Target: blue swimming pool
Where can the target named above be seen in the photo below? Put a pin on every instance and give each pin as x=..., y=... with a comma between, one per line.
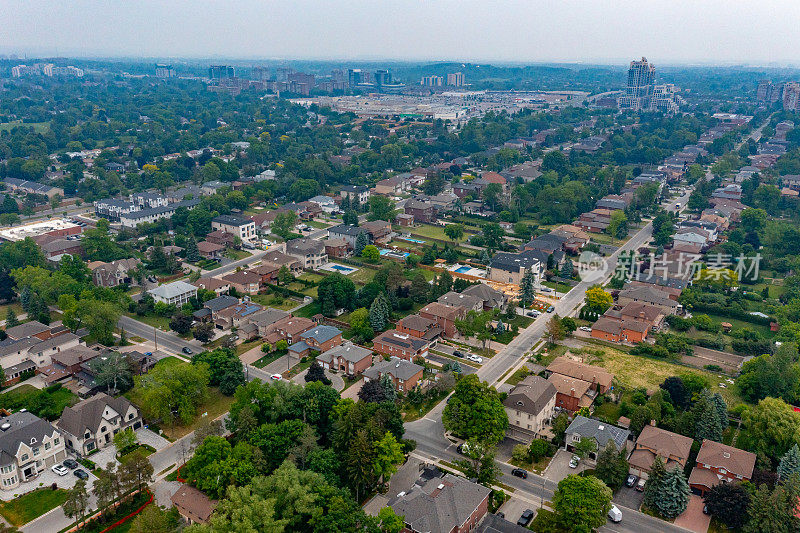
x=391, y=253
x=409, y=239
x=462, y=270
x=342, y=268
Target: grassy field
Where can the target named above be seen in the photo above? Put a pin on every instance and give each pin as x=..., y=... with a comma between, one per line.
x=160, y=322
x=434, y=232
x=309, y=310
x=741, y=324
x=362, y=275
x=38, y=127
x=247, y=345
x=32, y=505
x=636, y=371
x=230, y=253
x=15, y=306
x=560, y=287
x=275, y=301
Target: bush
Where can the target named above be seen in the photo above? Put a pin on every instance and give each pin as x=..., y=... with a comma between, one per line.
x=650, y=351
x=713, y=368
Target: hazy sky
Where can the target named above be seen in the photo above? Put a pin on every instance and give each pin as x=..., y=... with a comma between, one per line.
x=666, y=31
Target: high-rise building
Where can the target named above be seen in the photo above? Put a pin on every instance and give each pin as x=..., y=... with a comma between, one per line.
x=432, y=81
x=218, y=72
x=165, y=71
x=765, y=90
x=791, y=96
x=382, y=77
x=455, y=79
x=355, y=76
x=641, y=77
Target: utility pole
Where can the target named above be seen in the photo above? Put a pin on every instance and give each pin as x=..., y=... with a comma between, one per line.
x=155, y=337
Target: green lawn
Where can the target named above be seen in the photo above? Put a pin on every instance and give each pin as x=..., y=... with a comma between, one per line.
x=518, y=376
x=15, y=306
x=318, y=225
x=309, y=310
x=217, y=405
x=434, y=232
x=310, y=276
x=362, y=276
x=560, y=287
x=34, y=504
x=275, y=301
x=741, y=324
x=38, y=127
x=247, y=345
x=160, y=322
x=267, y=359
x=28, y=397
x=235, y=255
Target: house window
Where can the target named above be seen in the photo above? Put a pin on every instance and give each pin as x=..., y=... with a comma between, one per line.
x=46, y=445
x=24, y=457
x=55, y=442
x=103, y=429
x=36, y=451
x=90, y=446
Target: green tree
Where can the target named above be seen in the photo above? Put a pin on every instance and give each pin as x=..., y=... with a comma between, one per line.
x=581, y=504
x=381, y=208
x=390, y=522
x=172, y=393
x=154, y=519
x=334, y=292
x=618, y=226
x=654, y=484
x=728, y=503
x=285, y=275
x=597, y=299
x=770, y=428
x=192, y=253
x=124, y=440
x=77, y=501
x=612, y=467
x=284, y=223
x=567, y=269
x=709, y=425
x=585, y=446
x=388, y=454
x=11, y=318
x=370, y=253
x=789, y=463
x=362, y=240
x=420, y=289
x=378, y=313
x=475, y=410
x=673, y=497
x=454, y=231
x=527, y=287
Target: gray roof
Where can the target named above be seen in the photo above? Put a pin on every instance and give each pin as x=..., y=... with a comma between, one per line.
x=531, y=395
x=321, y=333
x=601, y=432
x=399, y=368
x=268, y=316
x=441, y=504
x=220, y=303
x=24, y=427
x=144, y=213
x=460, y=299
x=515, y=262
x=348, y=351
x=171, y=290
x=490, y=296
x=9, y=345
x=346, y=229
x=27, y=329
x=305, y=246
x=88, y=414
x=230, y=220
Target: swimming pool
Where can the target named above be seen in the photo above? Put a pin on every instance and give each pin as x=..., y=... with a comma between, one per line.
x=342, y=268
x=392, y=253
x=334, y=267
x=409, y=239
x=464, y=269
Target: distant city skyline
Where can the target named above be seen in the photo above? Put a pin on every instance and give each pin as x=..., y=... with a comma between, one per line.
x=593, y=31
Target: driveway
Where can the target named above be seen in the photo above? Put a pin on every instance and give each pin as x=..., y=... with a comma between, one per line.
x=47, y=478
x=559, y=468
x=514, y=507
x=629, y=497
x=353, y=390
x=693, y=518
x=465, y=368
x=252, y=355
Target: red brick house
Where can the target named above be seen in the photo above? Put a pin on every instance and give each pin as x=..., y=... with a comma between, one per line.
x=400, y=345
x=598, y=378
x=319, y=338
x=444, y=316
x=347, y=358
x=210, y=250
x=423, y=212
x=245, y=282
x=419, y=327
x=405, y=375
x=718, y=463
x=571, y=393
x=336, y=248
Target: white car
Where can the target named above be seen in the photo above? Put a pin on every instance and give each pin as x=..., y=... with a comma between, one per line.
x=276, y=377
x=475, y=358
x=60, y=469
x=614, y=514
x=585, y=328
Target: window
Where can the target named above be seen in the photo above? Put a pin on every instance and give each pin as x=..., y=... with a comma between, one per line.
x=24, y=457
x=46, y=445
x=103, y=429
x=723, y=471
x=36, y=451
x=90, y=446
x=55, y=442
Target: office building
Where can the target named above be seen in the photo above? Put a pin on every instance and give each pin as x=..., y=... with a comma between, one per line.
x=382, y=77
x=791, y=96
x=355, y=76
x=165, y=71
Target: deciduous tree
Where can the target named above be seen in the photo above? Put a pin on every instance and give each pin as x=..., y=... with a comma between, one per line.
x=581, y=503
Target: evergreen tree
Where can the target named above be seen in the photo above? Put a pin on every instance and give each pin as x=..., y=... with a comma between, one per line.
x=566, y=270
x=790, y=463
x=709, y=425
x=345, y=205
x=192, y=253
x=501, y=328
x=612, y=468
x=653, y=485
x=387, y=385
x=377, y=315
x=528, y=290
x=485, y=257
x=361, y=242
x=11, y=319
x=721, y=408
x=673, y=497
x=25, y=299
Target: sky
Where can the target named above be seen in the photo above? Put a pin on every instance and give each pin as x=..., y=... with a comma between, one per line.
x=666, y=31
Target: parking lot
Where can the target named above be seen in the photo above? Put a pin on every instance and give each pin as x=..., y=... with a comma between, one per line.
x=559, y=468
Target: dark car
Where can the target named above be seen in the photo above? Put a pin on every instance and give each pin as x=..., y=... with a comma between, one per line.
x=81, y=474
x=631, y=481
x=525, y=519
x=519, y=472
x=187, y=350
x=71, y=463
x=458, y=354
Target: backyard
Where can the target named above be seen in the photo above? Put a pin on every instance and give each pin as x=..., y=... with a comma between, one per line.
x=276, y=301
x=34, y=504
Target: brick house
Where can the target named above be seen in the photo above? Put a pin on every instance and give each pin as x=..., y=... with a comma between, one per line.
x=193, y=506
x=289, y=329
x=347, y=358
x=444, y=316
x=419, y=327
x=571, y=393
x=718, y=463
x=222, y=238
x=268, y=272
x=245, y=282
x=423, y=212
x=400, y=345
x=209, y=250
x=404, y=374
x=655, y=442
x=336, y=248
x=611, y=330
x=598, y=378
x=319, y=338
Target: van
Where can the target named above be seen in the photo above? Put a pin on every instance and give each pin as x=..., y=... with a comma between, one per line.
x=615, y=515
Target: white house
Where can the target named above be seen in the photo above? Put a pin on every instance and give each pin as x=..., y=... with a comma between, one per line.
x=176, y=293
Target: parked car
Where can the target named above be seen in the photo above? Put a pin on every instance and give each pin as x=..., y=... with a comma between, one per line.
x=60, y=469
x=458, y=353
x=546, y=289
x=71, y=463
x=519, y=472
x=615, y=515
x=276, y=377
x=551, y=309
x=475, y=358
x=187, y=350
x=80, y=473
x=525, y=519
x=574, y=462
x=585, y=328
x=640, y=485
x=705, y=510
x=631, y=481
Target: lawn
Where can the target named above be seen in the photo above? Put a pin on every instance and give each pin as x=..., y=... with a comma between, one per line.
x=362, y=276
x=318, y=225
x=235, y=255
x=38, y=127
x=41, y=402
x=518, y=376
x=275, y=301
x=307, y=311
x=268, y=358
x=160, y=322
x=34, y=504
x=741, y=324
x=559, y=287
x=635, y=371
x=434, y=232
x=217, y=405
x=247, y=345
x=310, y=276
x=15, y=306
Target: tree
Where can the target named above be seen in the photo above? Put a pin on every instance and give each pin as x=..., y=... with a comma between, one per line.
x=475, y=410
x=124, y=440
x=560, y=425
x=728, y=502
x=585, y=447
x=479, y=463
x=225, y=368
x=379, y=313
x=362, y=240
x=203, y=332
x=568, y=324
x=555, y=331
x=454, y=231
x=316, y=373
x=677, y=391
x=180, y=323
x=390, y=522
x=581, y=504
x=673, y=496
x=138, y=469
x=334, y=292
x=612, y=467
x=493, y=234
x=104, y=487
x=360, y=323
x=350, y=217
x=654, y=482
x=154, y=519
x=567, y=269
x=527, y=287
x=372, y=392
x=77, y=501
x=709, y=426
x=618, y=226
x=770, y=428
x=381, y=208
x=112, y=372
x=11, y=318
x=389, y=391
x=371, y=253
x=420, y=289
x=597, y=299
x=789, y=463
x=192, y=253
x=173, y=393
x=285, y=275
x=388, y=454
x=284, y=223
x=773, y=511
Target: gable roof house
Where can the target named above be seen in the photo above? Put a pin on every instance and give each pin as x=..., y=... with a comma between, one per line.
x=719, y=463
x=655, y=442
x=28, y=447
x=455, y=299
x=320, y=338
x=401, y=345
x=348, y=358
x=92, y=423
x=529, y=405
x=114, y=273
x=244, y=281
x=310, y=252
x=492, y=298
x=601, y=432
x=599, y=379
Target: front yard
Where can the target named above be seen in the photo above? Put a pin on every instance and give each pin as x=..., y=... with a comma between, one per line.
x=217, y=405
x=27, y=507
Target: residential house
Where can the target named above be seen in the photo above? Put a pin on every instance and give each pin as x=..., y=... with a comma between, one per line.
x=266, y=318
x=288, y=328
x=28, y=447
x=176, y=293
x=598, y=378
x=244, y=281
x=449, y=504
x=28, y=354
x=650, y=295
x=405, y=220
x=213, y=284
x=319, y=338
x=423, y=212
x=455, y=299
x=114, y=273
x=613, y=330
x=378, y=230
x=154, y=214
x=336, y=247
x=347, y=358
x=241, y=227
x=310, y=252
x=393, y=186
x=655, y=442
x=32, y=328
x=222, y=238
x=692, y=236
x=572, y=393
x=193, y=506
x=600, y=432
x=359, y=192
x=444, y=316
x=325, y=203
x=529, y=406
x=66, y=363
x=463, y=189
x=210, y=250
x=349, y=234
x=401, y=345
x=719, y=463
x=92, y=423
x=112, y=209
x=57, y=248
x=148, y=200
x=510, y=268
x=404, y=374
x=491, y=298
x=419, y=327
x=268, y=271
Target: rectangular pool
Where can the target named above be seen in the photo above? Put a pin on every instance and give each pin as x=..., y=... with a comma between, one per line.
x=463, y=269
x=334, y=267
x=409, y=239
